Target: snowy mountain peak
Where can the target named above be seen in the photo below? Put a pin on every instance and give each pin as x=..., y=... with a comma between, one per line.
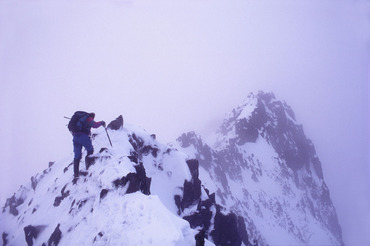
x=263, y=116
x=266, y=170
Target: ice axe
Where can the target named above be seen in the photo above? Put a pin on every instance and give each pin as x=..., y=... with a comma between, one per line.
x=108, y=136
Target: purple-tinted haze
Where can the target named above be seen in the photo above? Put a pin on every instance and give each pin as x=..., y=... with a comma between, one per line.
x=174, y=66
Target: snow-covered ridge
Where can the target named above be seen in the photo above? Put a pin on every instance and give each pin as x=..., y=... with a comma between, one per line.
x=94, y=211
x=262, y=184
x=135, y=193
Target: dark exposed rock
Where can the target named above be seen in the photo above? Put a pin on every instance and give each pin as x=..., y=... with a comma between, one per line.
x=81, y=203
x=242, y=231
x=66, y=168
x=34, y=182
x=150, y=149
x=229, y=229
x=55, y=237
x=136, y=142
x=59, y=199
x=136, y=181
x=191, y=189
x=103, y=193
x=100, y=235
x=132, y=179
x=140, y=148
x=206, y=156
x=92, y=159
x=178, y=199
x=187, y=139
x=199, y=238
x=4, y=237
x=102, y=150
x=116, y=124
x=13, y=203
x=192, y=192
x=203, y=215
x=89, y=161
x=72, y=206
x=119, y=182
x=317, y=167
x=194, y=168
x=191, y=138
x=144, y=180
x=246, y=131
x=32, y=232
x=77, y=205
x=133, y=157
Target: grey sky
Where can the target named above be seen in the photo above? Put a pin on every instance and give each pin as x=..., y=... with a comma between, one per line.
x=175, y=66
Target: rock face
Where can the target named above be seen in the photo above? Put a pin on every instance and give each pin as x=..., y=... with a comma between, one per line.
x=227, y=229
x=265, y=170
x=116, y=124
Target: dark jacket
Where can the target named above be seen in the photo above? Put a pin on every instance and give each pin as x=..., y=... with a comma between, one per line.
x=89, y=123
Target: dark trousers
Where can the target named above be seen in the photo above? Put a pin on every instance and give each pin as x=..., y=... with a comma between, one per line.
x=79, y=141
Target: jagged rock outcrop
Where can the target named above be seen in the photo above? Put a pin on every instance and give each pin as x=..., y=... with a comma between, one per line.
x=137, y=181
x=55, y=237
x=32, y=232
x=193, y=199
x=228, y=228
x=116, y=124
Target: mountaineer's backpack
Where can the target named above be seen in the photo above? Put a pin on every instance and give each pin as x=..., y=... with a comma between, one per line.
x=78, y=123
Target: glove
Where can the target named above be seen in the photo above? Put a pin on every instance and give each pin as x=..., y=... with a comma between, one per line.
x=102, y=123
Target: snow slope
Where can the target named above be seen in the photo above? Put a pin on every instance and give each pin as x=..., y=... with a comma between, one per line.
x=95, y=211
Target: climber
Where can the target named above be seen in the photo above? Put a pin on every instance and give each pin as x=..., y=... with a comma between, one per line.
x=80, y=127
